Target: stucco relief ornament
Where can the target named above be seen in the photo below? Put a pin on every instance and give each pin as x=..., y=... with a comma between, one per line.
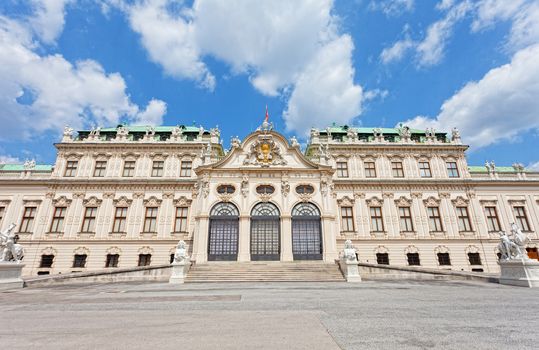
x=285, y=188
x=264, y=152
x=245, y=185
x=513, y=247
x=10, y=250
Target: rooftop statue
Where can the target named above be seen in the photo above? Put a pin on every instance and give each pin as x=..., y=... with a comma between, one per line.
x=10, y=250
x=513, y=247
x=29, y=164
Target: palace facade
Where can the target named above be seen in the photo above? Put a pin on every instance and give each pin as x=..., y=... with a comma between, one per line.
x=122, y=197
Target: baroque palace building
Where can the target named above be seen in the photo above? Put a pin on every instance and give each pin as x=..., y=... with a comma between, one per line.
x=122, y=197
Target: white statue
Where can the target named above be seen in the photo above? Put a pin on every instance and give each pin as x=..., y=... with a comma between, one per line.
x=294, y=141
x=455, y=135
x=349, y=252
x=150, y=131
x=515, y=247
x=405, y=133
x=29, y=164
x=235, y=142
x=180, y=255
x=68, y=134
x=200, y=131
x=10, y=250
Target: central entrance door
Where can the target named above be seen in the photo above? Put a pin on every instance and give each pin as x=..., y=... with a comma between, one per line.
x=265, y=232
x=224, y=231
x=306, y=232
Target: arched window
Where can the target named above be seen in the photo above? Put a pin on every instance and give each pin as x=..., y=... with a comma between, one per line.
x=306, y=232
x=223, y=232
x=265, y=232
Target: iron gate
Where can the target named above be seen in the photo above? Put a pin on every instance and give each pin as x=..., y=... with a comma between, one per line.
x=223, y=233
x=265, y=232
x=306, y=232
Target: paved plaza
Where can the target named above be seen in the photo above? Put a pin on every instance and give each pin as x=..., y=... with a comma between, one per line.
x=370, y=315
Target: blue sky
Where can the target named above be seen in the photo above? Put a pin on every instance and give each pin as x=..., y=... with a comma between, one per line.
x=469, y=64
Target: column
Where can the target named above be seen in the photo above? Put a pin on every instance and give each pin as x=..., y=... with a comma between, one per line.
x=329, y=238
x=286, y=238
x=200, y=240
x=244, y=243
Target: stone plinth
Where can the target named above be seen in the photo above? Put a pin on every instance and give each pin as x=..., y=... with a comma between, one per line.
x=179, y=271
x=10, y=275
x=520, y=272
x=350, y=270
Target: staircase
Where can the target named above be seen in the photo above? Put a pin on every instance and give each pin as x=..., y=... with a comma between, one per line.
x=274, y=271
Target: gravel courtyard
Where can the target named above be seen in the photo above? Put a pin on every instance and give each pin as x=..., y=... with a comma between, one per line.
x=370, y=315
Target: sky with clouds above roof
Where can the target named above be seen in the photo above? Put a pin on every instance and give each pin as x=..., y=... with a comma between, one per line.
x=469, y=64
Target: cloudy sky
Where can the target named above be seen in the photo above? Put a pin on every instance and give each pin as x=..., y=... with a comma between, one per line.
x=469, y=64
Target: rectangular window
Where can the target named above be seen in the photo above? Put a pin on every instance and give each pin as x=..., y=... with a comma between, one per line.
x=28, y=217
x=79, y=260
x=424, y=169
x=120, y=220
x=347, y=219
x=157, y=168
x=185, y=170
x=100, y=168
x=443, y=259
x=71, y=168
x=396, y=169
x=493, y=224
x=464, y=219
x=180, y=224
x=129, y=168
x=474, y=258
x=112, y=260
x=522, y=219
x=150, y=221
x=88, y=223
x=2, y=212
x=144, y=259
x=435, y=220
x=382, y=258
x=377, y=222
x=413, y=259
x=405, y=216
x=342, y=169
x=452, y=170
x=370, y=169
x=46, y=260
x=58, y=217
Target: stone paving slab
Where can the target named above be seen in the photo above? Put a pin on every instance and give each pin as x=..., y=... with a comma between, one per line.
x=369, y=315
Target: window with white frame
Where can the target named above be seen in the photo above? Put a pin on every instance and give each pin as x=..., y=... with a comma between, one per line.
x=180, y=224
x=88, y=223
x=396, y=169
x=347, y=219
x=150, y=220
x=100, y=168
x=452, y=169
x=157, y=168
x=58, y=218
x=342, y=169
x=424, y=169
x=71, y=168
x=370, y=169
x=28, y=218
x=493, y=223
x=435, y=220
x=185, y=168
x=129, y=168
x=405, y=219
x=377, y=221
x=521, y=219
x=463, y=218
x=120, y=219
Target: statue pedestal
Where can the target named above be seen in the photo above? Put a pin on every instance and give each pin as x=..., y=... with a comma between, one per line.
x=520, y=272
x=179, y=271
x=10, y=275
x=350, y=270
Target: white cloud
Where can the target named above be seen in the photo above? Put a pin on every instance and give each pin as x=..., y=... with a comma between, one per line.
x=533, y=166
x=7, y=159
x=153, y=114
x=392, y=7
x=169, y=40
x=39, y=93
x=396, y=52
x=48, y=19
x=430, y=51
x=275, y=43
x=325, y=91
x=500, y=106
x=491, y=11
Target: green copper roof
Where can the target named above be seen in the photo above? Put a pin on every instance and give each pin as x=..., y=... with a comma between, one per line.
x=499, y=169
x=20, y=167
x=344, y=129
x=142, y=128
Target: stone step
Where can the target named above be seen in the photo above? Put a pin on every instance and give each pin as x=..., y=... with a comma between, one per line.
x=264, y=272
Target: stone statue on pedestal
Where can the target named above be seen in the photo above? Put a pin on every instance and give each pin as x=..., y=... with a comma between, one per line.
x=181, y=253
x=515, y=247
x=10, y=250
x=348, y=263
x=180, y=265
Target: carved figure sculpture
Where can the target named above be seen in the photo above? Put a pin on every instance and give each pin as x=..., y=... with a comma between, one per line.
x=294, y=141
x=29, y=164
x=515, y=247
x=10, y=250
x=180, y=255
x=455, y=134
x=349, y=252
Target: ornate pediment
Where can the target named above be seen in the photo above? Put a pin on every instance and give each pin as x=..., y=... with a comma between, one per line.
x=346, y=201
x=61, y=201
x=264, y=152
x=431, y=202
x=182, y=202
x=374, y=202
x=403, y=202
x=93, y=201
x=460, y=201
x=152, y=202
x=123, y=201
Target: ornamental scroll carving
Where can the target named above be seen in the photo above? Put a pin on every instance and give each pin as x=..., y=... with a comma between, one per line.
x=374, y=202
x=93, y=201
x=460, y=202
x=431, y=202
x=264, y=152
x=182, y=202
x=403, y=202
x=346, y=201
x=123, y=201
x=61, y=201
x=152, y=202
